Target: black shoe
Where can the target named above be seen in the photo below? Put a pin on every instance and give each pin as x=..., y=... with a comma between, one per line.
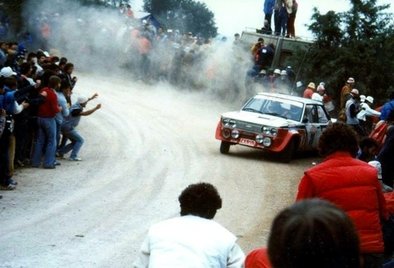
x=57, y=163
x=12, y=182
x=50, y=167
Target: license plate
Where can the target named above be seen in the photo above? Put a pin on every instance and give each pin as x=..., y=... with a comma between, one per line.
x=247, y=142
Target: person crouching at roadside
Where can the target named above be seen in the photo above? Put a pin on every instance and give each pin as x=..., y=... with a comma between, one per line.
x=69, y=130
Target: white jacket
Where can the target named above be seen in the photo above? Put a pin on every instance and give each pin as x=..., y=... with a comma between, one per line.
x=366, y=111
x=189, y=242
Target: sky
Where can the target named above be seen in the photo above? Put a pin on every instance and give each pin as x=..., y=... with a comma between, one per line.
x=232, y=16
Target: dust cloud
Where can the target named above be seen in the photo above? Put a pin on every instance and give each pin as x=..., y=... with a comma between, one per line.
x=107, y=41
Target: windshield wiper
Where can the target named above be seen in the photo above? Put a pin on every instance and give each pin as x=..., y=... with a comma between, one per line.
x=276, y=114
x=247, y=109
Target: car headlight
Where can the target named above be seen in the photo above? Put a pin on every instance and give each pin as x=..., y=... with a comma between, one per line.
x=259, y=138
x=271, y=131
x=235, y=134
x=267, y=142
x=227, y=122
x=274, y=131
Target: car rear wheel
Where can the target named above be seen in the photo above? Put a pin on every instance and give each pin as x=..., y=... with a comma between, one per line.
x=224, y=147
x=288, y=152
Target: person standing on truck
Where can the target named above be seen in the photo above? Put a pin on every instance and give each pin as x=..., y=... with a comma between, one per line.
x=268, y=10
x=281, y=16
x=277, y=7
x=291, y=19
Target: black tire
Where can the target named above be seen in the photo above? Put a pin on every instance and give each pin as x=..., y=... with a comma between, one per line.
x=287, y=155
x=224, y=147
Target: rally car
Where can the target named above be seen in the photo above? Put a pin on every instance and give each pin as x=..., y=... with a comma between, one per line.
x=274, y=122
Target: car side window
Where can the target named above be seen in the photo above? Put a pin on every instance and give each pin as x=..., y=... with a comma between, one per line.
x=311, y=114
x=321, y=114
x=294, y=112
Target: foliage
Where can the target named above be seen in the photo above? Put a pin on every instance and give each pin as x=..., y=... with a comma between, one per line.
x=357, y=43
x=13, y=10
x=184, y=15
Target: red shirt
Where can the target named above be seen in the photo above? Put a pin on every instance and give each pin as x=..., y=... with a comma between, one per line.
x=50, y=107
x=258, y=258
x=308, y=92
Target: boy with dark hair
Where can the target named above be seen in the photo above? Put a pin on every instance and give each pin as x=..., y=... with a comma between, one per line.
x=194, y=238
x=368, y=149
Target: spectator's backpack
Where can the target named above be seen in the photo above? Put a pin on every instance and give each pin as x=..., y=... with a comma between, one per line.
x=379, y=132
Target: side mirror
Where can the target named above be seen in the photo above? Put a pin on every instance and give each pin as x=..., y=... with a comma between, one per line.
x=305, y=120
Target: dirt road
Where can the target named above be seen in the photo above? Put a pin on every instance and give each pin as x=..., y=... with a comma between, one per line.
x=143, y=147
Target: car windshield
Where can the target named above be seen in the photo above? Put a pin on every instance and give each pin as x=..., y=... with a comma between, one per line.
x=277, y=107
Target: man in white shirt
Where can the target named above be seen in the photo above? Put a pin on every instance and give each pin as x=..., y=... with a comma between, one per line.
x=193, y=239
x=365, y=115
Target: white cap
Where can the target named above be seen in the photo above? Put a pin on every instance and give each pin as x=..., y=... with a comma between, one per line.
x=276, y=71
x=369, y=99
x=378, y=166
x=320, y=87
x=7, y=72
x=362, y=98
x=350, y=80
x=354, y=92
x=263, y=71
x=283, y=72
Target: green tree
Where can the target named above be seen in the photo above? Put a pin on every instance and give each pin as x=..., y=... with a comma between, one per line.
x=357, y=43
x=184, y=15
x=13, y=10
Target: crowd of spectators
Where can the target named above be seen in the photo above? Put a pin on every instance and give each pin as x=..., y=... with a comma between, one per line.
x=38, y=114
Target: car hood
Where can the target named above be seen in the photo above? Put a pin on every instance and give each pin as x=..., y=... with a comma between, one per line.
x=257, y=118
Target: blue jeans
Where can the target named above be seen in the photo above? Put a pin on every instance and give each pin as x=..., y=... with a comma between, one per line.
x=75, y=144
x=4, y=158
x=45, y=142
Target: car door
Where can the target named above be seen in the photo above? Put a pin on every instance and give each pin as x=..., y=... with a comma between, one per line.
x=316, y=120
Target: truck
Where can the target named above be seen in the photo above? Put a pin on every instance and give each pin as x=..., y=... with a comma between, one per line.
x=284, y=47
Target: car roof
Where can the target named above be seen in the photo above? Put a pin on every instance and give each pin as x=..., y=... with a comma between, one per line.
x=289, y=97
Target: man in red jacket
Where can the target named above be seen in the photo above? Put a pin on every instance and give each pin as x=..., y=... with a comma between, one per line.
x=351, y=185
x=46, y=135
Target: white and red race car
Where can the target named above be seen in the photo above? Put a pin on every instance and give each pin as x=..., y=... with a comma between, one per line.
x=276, y=123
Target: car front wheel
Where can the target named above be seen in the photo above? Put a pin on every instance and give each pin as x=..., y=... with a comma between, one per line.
x=224, y=147
x=288, y=152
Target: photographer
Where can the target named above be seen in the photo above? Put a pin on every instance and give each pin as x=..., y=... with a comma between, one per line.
x=8, y=107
